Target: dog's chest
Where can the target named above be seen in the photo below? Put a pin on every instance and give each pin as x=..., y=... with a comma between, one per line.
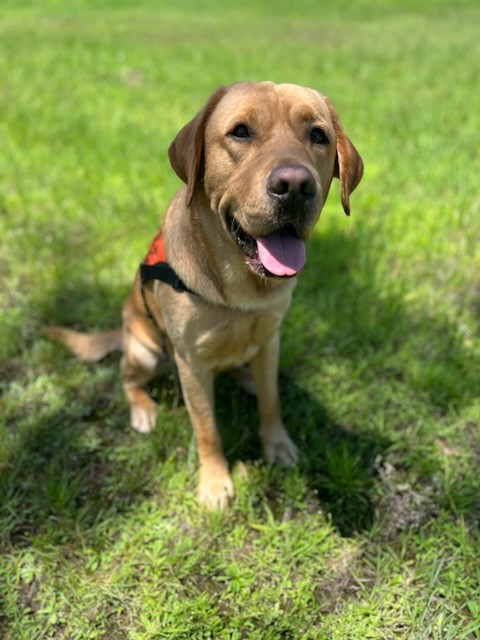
x=234, y=341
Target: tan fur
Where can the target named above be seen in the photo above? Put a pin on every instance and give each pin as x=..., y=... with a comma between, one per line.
x=89, y=347
x=236, y=316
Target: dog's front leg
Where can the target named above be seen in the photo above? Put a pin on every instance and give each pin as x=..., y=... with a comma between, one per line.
x=215, y=487
x=277, y=445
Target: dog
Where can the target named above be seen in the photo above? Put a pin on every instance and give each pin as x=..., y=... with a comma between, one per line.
x=257, y=162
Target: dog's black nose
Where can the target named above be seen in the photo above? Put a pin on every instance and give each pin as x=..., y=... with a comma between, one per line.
x=291, y=182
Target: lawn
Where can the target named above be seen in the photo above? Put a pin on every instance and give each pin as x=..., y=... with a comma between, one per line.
x=376, y=533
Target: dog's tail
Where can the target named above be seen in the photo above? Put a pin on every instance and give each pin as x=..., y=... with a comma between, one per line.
x=89, y=347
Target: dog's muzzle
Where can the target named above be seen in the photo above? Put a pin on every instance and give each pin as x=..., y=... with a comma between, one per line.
x=281, y=252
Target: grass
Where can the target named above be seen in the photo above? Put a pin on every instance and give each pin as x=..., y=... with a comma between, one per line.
x=376, y=533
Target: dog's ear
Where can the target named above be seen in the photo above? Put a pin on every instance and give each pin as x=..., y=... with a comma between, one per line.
x=348, y=163
x=186, y=151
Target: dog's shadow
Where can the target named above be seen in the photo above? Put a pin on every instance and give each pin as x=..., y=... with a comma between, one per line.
x=337, y=464
x=337, y=460
x=339, y=315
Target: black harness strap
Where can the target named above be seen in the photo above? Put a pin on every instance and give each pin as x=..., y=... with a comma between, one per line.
x=162, y=271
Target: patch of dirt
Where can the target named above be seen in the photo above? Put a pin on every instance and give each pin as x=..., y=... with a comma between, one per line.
x=117, y=626
x=403, y=507
x=339, y=584
x=27, y=596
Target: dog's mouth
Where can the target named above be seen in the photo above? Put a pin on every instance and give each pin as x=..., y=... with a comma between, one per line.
x=280, y=253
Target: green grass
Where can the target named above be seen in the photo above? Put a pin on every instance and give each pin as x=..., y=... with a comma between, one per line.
x=376, y=533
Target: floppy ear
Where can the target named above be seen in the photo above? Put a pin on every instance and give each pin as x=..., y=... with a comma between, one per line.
x=186, y=151
x=348, y=163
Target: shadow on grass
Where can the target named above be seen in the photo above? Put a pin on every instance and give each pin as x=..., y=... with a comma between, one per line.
x=77, y=303
x=60, y=479
x=414, y=368
x=79, y=465
x=76, y=466
x=74, y=472
x=337, y=464
x=367, y=324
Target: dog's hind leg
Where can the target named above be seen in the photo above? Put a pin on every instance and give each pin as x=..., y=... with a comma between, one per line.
x=139, y=366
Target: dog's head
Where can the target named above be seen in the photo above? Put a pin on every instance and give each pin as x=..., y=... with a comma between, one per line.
x=264, y=155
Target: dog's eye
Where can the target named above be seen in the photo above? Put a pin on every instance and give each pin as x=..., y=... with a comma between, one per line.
x=240, y=131
x=318, y=136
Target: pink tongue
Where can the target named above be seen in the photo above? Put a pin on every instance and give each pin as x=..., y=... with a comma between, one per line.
x=281, y=253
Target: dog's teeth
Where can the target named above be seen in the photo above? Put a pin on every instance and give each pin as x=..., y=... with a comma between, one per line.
x=246, y=243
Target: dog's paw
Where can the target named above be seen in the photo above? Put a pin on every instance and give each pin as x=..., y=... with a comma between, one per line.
x=279, y=448
x=143, y=417
x=215, y=490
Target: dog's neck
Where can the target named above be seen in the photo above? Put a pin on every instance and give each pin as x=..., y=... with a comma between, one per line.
x=198, y=233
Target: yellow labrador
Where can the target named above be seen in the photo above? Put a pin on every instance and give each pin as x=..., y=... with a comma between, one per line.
x=257, y=162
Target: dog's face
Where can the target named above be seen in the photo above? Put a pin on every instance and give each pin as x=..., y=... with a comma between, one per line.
x=264, y=155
